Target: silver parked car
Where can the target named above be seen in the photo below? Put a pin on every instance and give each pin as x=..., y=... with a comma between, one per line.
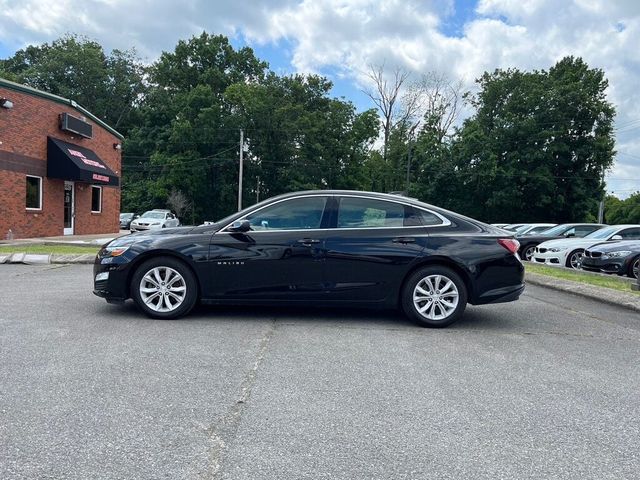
x=154, y=219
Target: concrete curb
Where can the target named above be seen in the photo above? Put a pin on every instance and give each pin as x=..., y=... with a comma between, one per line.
x=36, y=259
x=601, y=294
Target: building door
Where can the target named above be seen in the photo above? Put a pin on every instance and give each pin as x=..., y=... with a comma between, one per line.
x=69, y=208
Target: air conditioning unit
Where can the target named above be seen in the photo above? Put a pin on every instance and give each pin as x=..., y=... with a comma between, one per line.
x=72, y=124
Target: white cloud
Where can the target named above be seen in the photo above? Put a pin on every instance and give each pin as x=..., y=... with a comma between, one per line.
x=344, y=36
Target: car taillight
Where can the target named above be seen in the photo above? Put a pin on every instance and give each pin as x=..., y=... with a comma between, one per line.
x=510, y=244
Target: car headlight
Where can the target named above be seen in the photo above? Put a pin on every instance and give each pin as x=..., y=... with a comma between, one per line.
x=554, y=249
x=112, y=251
x=622, y=253
x=155, y=223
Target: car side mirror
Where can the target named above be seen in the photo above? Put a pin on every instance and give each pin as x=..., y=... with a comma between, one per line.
x=616, y=237
x=240, y=226
x=569, y=235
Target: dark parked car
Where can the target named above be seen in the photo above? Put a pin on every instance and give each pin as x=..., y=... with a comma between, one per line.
x=621, y=257
x=318, y=248
x=529, y=243
x=126, y=219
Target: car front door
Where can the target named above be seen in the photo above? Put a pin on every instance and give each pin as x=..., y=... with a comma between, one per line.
x=279, y=258
x=371, y=248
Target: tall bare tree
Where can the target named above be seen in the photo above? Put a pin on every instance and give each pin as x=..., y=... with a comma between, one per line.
x=441, y=101
x=396, y=104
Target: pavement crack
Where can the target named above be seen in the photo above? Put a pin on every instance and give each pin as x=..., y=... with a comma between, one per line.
x=222, y=433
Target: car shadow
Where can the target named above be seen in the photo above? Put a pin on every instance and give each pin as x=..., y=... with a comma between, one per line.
x=474, y=318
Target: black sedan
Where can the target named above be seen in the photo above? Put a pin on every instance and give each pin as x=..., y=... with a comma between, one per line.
x=318, y=248
x=529, y=243
x=621, y=257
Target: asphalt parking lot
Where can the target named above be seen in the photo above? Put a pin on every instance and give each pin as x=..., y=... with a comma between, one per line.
x=547, y=387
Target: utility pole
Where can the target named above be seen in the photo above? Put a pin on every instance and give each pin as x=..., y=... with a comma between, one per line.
x=601, y=206
x=240, y=171
x=409, y=158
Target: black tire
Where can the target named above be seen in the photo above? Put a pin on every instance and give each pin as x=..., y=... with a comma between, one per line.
x=410, y=307
x=185, y=279
x=577, y=256
x=527, y=252
x=634, y=265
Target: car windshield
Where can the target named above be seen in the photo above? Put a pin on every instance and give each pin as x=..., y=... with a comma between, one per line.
x=537, y=230
x=522, y=229
x=126, y=216
x=603, y=232
x=156, y=215
x=557, y=230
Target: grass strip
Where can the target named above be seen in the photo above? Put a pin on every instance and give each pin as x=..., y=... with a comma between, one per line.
x=50, y=249
x=611, y=281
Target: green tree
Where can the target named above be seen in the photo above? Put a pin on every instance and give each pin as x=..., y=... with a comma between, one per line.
x=75, y=67
x=622, y=211
x=537, y=147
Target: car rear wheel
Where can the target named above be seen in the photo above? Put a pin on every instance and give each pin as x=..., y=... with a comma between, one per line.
x=574, y=260
x=527, y=253
x=634, y=269
x=164, y=288
x=434, y=296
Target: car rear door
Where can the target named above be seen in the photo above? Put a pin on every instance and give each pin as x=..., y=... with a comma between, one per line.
x=280, y=258
x=371, y=248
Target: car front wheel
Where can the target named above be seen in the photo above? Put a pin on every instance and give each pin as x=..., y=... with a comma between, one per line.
x=574, y=260
x=164, y=288
x=434, y=296
x=634, y=269
x=527, y=253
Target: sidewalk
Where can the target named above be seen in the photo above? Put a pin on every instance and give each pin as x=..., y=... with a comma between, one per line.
x=94, y=239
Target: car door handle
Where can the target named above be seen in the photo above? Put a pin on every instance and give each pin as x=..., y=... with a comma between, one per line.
x=308, y=241
x=404, y=240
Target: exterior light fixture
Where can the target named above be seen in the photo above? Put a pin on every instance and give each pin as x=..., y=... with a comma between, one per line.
x=117, y=146
x=6, y=103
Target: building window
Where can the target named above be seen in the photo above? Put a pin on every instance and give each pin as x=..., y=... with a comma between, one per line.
x=34, y=193
x=96, y=199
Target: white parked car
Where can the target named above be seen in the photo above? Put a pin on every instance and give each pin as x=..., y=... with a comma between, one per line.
x=154, y=219
x=568, y=252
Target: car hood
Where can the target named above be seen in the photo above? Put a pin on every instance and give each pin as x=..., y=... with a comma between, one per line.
x=567, y=243
x=149, y=236
x=633, y=245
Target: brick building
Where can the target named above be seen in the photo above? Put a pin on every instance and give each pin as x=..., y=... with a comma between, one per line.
x=59, y=166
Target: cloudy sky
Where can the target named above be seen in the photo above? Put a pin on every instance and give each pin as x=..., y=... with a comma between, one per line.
x=339, y=38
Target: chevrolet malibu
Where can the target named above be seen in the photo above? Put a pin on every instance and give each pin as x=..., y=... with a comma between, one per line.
x=323, y=248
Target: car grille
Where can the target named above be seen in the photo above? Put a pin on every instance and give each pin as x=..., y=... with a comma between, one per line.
x=101, y=285
x=541, y=250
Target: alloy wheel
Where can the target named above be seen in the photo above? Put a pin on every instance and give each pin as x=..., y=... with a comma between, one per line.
x=576, y=260
x=163, y=289
x=636, y=268
x=528, y=253
x=435, y=297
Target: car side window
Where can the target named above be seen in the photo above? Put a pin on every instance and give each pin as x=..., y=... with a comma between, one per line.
x=295, y=214
x=426, y=218
x=630, y=233
x=571, y=232
x=583, y=230
x=355, y=212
